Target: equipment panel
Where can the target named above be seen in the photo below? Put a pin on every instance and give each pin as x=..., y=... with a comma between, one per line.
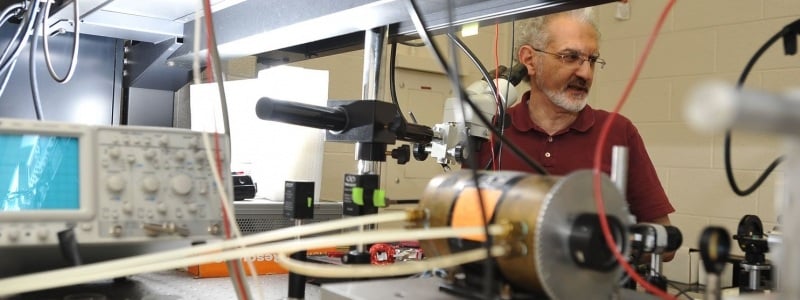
x=108, y=184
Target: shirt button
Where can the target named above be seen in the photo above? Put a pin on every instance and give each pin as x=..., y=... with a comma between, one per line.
x=547, y=154
x=550, y=139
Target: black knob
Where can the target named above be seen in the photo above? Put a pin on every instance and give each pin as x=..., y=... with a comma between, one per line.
x=419, y=152
x=459, y=153
x=674, y=238
x=402, y=154
x=715, y=248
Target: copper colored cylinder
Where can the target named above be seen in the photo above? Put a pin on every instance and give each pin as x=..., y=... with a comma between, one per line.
x=514, y=196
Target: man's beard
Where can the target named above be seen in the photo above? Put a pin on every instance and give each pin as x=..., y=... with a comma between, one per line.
x=561, y=98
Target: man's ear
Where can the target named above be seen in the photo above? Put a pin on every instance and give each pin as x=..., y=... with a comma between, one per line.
x=527, y=57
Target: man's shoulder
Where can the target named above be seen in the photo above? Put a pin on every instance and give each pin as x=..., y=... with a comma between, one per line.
x=602, y=115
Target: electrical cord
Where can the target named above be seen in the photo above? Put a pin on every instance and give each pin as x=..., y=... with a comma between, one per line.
x=6, y=15
x=392, y=84
x=498, y=152
x=452, y=72
x=501, y=105
x=598, y=159
x=16, y=40
x=236, y=268
x=487, y=263
x=216, y=64
x=412, y=44
x=34, y=82
x=513, y=147
x=491, y=83
x=228, y=250
x=67, y=276
x=680, y=291
x=73, y=63
x=478, y=65
x=788, y=29
x=6, y=78
x=361, y=271
x=21, y=36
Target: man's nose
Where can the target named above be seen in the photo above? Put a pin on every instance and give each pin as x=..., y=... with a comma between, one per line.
x=585, y=70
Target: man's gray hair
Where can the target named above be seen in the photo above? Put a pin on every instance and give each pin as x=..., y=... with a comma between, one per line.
x=532, y=31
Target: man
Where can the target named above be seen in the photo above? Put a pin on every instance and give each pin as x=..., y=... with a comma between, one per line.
x=553, y=123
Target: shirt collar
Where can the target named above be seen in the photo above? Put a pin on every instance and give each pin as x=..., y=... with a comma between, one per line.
x=521, y=120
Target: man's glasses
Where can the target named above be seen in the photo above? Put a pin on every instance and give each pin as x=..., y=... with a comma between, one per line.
x=576, y=59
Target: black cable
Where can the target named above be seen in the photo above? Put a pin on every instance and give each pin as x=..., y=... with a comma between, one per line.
x=680, y=291
x=514, y=148
x=492, y=86
x=392, y=87
x=488, y=263
x=501, y=108
x=412, y=44
x=68, y=245
x=786, y=30
x=478, y=65
x=488, y=267
x=509, y=86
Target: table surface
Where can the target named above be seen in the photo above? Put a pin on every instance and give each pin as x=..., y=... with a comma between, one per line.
x=169, y=285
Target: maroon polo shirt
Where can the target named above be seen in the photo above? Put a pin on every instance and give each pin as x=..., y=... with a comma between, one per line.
x=573, y=149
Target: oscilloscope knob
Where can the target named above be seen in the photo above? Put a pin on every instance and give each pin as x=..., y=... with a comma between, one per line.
x=163, y=140
x=115, y=183
x=200, y=156
x=181, y=184
x=13, y=235
x=42, y=234
x=180, y=156
x=114, y=152
x=150, y=184
x=150, y=154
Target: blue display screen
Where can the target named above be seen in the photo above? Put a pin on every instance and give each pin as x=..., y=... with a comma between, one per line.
x=39, y=172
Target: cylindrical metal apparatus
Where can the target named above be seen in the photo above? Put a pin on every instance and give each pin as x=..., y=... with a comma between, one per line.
x=564, y=251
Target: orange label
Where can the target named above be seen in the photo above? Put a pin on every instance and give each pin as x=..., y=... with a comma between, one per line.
x=264, y=264
x=467, y=210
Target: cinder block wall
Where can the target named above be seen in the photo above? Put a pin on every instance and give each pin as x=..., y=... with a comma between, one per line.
x=701, y=40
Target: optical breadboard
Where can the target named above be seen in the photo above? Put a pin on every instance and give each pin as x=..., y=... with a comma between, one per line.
x=108, y=184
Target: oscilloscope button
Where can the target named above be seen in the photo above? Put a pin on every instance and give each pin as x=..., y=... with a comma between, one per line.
x=115, y=183
x=181, y=184
x=150, y=184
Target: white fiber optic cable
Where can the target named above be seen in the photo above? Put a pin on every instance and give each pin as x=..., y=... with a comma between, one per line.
x=6, y=15
x=76, y=275
x=364, y=271
x=236, y=234
x=73, y=63
x=270, y=236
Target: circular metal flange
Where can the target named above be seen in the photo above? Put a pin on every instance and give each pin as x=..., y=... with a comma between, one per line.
x=569, y=198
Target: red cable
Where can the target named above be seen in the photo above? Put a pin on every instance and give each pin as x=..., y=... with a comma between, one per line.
x=598, y=155
x=240, y=286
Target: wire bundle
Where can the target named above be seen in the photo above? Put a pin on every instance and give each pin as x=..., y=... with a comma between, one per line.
x=279, y=241
x=34, y=21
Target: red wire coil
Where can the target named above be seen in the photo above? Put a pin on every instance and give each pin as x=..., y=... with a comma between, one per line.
x=381, y=254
